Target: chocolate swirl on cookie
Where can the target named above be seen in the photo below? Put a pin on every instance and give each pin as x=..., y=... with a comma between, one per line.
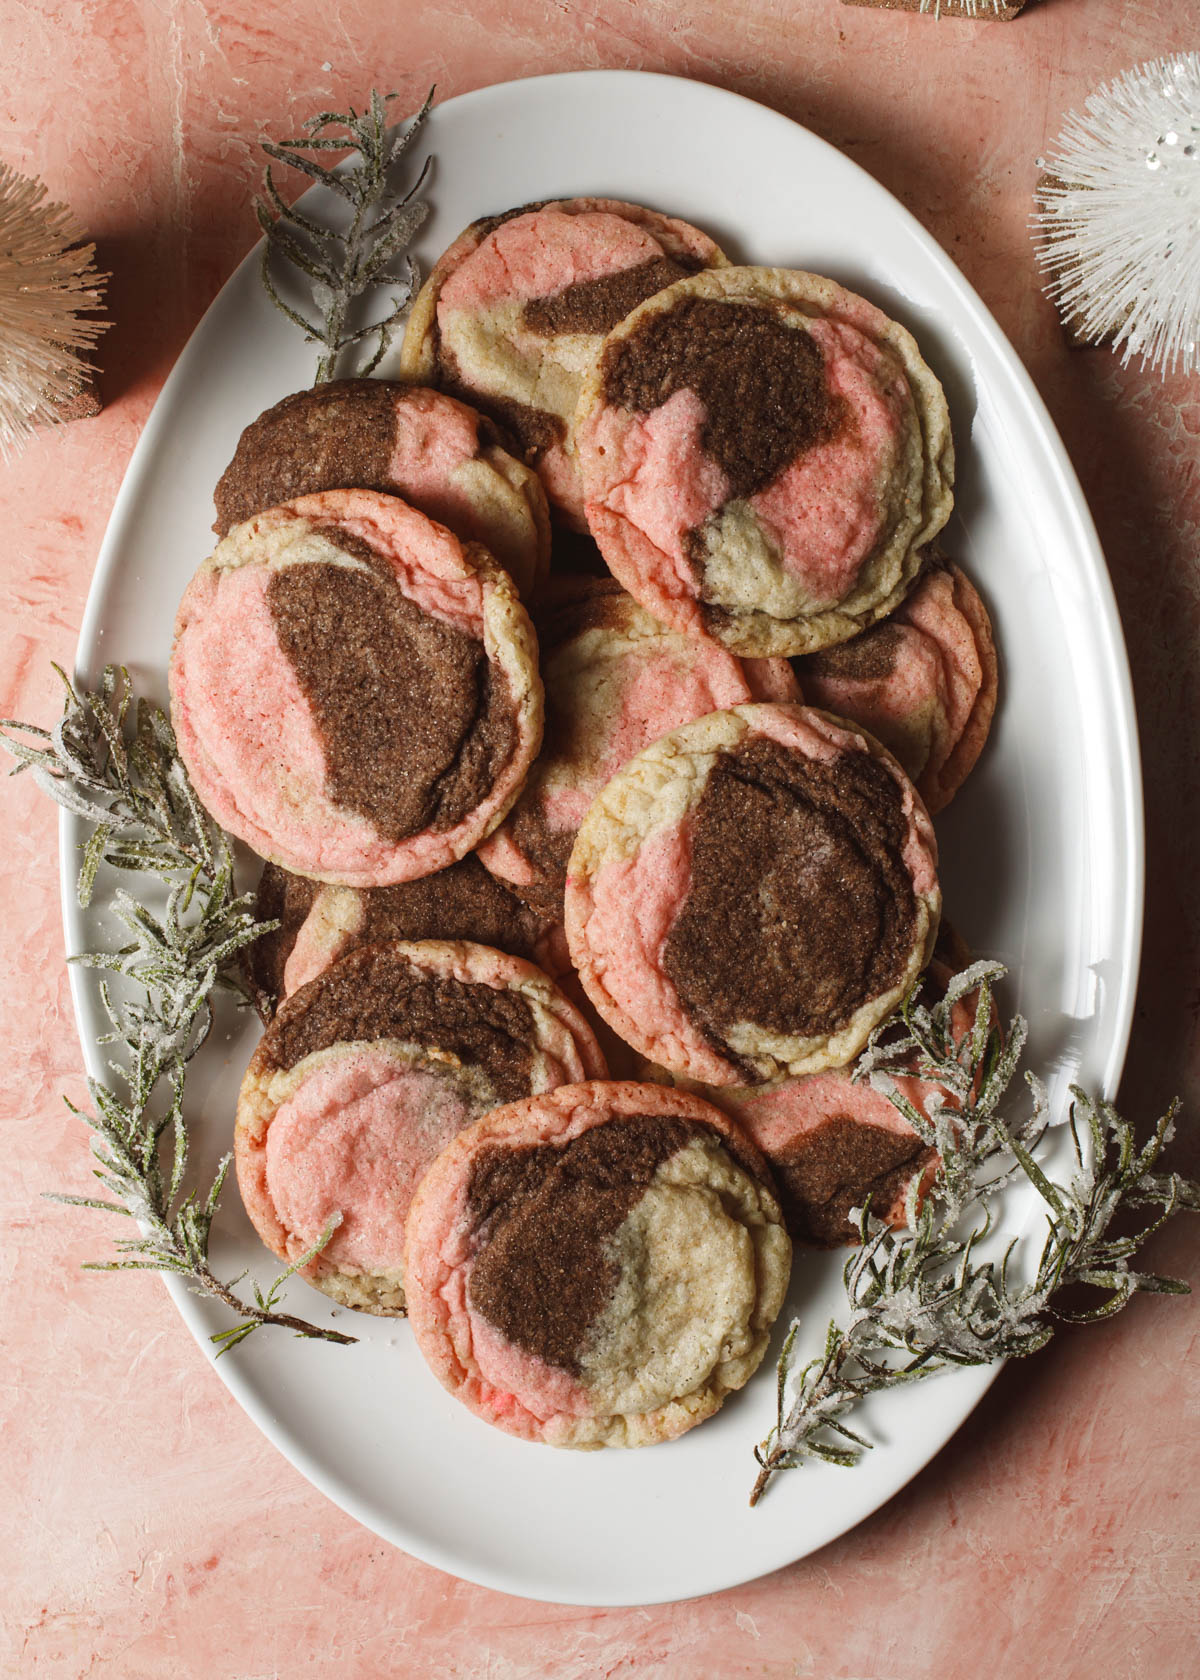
x=415, y=722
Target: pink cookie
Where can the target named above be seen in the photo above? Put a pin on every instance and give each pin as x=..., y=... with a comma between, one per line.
x=514, y=312
x=366, y=1074
x=370, y=434
x=354, y=691
x=834, y=1143
x=615, y=680
x=764, y=455
x=923, y=682
x=752, y=894
x=596, y=1267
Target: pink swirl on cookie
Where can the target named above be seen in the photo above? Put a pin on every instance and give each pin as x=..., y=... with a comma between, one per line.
x=355, y=1140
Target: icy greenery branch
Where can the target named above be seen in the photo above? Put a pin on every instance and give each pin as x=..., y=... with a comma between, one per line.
x=1118, y=222
x=922, y=1298
x=112, y=761
x=343, y=265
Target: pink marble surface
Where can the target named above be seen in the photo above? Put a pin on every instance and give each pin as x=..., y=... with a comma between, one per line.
x=147, y=1527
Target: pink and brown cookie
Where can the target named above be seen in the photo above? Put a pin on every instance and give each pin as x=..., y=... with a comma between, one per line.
x=924, y=681
x=355, y=691
x=833, y=1144
x=462, y=901
x=753, y=893
x=366, y=1074
x=764, y=456
x=596, y=1267
x=515, y=310
x=615, y=680
x=371, y=434
x=836, y=1144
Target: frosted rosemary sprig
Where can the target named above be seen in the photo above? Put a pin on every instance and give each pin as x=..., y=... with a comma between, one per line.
x=113, y=761
x=343, y=266
x=921, y=1299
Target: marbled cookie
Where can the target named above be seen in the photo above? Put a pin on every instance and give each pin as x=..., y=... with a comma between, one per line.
x=615, y=680
x=514, y=311
x=751, y=894
x=764, y=455
x=372, y=434
x=355, y=692
x=463, y=901
x=366, y=1074
x=834, y=1142
x=596, y=1267
x=924, y=681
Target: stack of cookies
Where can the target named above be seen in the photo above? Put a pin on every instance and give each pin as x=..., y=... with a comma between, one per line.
x=587, y=693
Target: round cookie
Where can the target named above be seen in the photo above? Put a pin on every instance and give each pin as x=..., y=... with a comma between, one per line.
x=924, y=681
x=354, y=691
x=374, y=434
x=764, y=455
x=615, y=680
x=513, y=313
x=596, y=1267
x=752, y=894
x=369, y=1071
x=463, y=901
x=831, y=1144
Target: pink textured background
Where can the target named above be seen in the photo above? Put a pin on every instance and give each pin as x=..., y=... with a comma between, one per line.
x=147, y=1527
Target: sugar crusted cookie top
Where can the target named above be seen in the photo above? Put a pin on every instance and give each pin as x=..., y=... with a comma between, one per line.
x=751, y=894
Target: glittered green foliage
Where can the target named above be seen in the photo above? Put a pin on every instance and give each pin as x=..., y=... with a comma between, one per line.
x=344, y=264
x=112, y=760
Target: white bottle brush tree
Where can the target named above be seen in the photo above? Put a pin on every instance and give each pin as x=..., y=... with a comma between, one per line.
x=1118, y=226
x=47, y=278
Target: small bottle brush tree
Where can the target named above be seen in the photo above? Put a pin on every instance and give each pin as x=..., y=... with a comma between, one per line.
x=1118, y=223
x=47, y=277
